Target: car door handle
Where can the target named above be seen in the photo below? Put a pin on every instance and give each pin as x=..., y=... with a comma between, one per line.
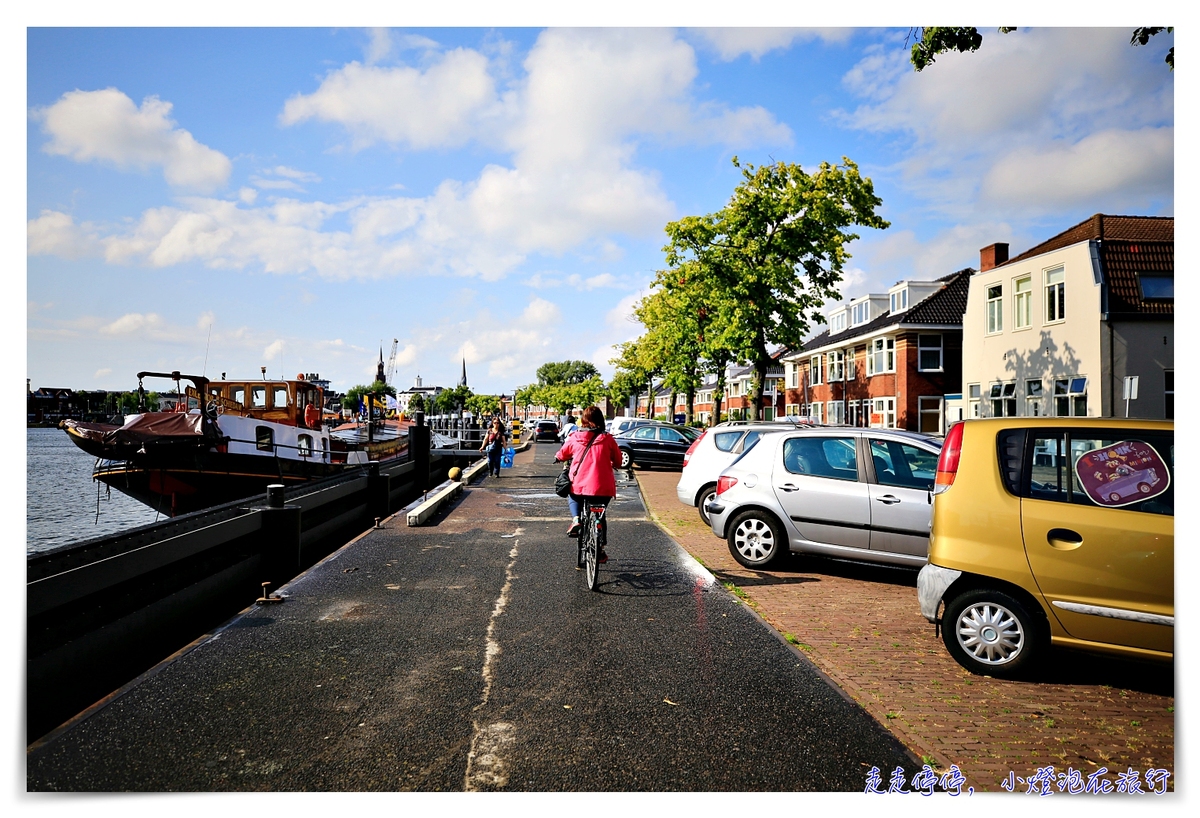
x=888, y=498
x=1063, y=538
x=789, y=487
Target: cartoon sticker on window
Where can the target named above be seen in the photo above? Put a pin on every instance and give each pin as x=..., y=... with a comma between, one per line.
x=1122, y=474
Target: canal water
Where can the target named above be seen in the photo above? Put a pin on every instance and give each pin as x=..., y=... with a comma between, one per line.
x=60, y=496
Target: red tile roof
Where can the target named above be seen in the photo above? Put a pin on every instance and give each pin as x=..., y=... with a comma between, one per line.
x=1106, y=228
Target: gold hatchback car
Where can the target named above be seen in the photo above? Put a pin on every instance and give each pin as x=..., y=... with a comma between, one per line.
x=1052, y=531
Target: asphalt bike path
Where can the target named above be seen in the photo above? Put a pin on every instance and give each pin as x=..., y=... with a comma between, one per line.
x=468, y=654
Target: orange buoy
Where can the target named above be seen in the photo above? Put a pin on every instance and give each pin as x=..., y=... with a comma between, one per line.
x=311, y=416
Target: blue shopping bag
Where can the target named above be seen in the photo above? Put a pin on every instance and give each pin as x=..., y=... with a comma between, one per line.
x=506, y=459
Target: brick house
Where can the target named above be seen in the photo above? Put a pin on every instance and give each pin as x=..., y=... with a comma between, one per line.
x=1055, y=330
x=889, y=360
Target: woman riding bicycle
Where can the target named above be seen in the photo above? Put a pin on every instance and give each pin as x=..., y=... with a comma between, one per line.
x=594, y=455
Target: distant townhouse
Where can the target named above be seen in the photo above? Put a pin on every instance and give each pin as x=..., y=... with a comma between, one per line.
x=890, y=360
x=1055, y=330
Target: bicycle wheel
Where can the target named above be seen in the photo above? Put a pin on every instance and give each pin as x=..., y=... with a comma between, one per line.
x=593, y=544
x=581, y=541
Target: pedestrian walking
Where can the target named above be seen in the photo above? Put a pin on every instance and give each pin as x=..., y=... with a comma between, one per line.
x=493, y=446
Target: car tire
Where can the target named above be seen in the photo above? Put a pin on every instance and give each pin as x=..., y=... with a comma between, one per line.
x=755, y=540
x=707, y=494
x=626, y=459
x=992, y=633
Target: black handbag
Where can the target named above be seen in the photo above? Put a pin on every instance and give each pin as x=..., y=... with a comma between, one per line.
x=562, y=483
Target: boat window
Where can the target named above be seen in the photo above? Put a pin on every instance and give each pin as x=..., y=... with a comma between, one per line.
x=258, y=397
x=304, y=445
x=238, y=393
x=279, y=397
x=264, y=438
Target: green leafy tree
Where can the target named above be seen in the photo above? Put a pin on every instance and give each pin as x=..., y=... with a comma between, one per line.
x=480, y=405
x=640, y=359
x=774, y=254
x=935, y=40
x=566, y=372
x=355, y=393
x=416, y=403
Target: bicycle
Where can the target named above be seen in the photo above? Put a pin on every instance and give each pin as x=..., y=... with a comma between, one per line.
x=589, y=541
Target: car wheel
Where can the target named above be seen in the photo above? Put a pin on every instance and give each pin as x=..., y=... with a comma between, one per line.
x=992, y=633
x=1144, y=488
x=626, y=459
x=1114, y=497
x=755, y=540
x=705, y=496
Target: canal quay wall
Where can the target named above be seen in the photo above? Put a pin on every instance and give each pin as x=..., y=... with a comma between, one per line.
x=101, y=611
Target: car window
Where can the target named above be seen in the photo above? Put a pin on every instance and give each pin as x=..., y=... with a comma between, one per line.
x=902, y=465
x=644, y=433
x=670, y=436
x=725, y=441
x=1124, y=469
x=821, y=457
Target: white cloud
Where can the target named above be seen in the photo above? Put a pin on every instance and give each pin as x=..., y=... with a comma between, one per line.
x=271, y=353
x=379, y=47
x=132, y=323
x=897, y=255
x=100, y=373
x=401, y=105
x=731, y=43
x=572, y=125
x=1064, y=175
x=55, y=233
x=106, y=126
x=1062, y=102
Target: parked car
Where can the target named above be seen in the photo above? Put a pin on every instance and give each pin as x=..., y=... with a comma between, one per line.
x=1051, y=531
x=859, y=494
x=546, y=430
x=620, y=425
x=655, y=444
x=711, y=453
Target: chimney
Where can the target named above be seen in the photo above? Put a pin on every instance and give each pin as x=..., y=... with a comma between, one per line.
x=992, y=256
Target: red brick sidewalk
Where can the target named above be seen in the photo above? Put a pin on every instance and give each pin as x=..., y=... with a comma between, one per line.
x=862, y=627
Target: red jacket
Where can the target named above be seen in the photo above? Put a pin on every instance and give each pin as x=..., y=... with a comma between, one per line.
x=592, y=475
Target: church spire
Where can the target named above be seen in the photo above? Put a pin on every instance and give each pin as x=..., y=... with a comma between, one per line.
x=380, y=374
x=463, y=380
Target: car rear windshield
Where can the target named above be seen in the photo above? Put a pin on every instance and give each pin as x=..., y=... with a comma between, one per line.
x=725, y=441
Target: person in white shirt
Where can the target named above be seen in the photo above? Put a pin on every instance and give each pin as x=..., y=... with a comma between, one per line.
x=569, y=427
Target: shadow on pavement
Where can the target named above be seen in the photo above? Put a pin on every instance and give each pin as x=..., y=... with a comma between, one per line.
x=1072, y=667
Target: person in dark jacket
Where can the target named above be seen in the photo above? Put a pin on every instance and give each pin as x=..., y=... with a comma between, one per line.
x=493, y=446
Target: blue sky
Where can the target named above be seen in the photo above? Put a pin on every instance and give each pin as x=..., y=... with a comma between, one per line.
x=224, y=199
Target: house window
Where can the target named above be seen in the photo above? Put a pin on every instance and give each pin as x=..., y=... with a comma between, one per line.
x=883, y=413
x=1004, y=399
x=881, y=356
x=1169, y=393
x=973, y=400
x=791, y=410
x=850, y=373
x=835, y=412
x=1022, y=299
x=1034, y=407
x=1157, y=288
x=304, y=445
x=264, y=439
x=859, y=313
x=1070, y=397
x=929, y=353
x=1055, y=295
x=995, y=308
x=815, y=412
x=814, y=366
x=836, y=364
x=793, y=375
x=899, y=301
x=929, y=410
x=855, y=416
x=837, y=322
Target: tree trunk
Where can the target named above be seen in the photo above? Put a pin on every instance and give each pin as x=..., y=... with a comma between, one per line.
x=690, y=411
x=718, y=397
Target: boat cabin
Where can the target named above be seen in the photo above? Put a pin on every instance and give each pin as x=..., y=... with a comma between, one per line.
x=285, y=402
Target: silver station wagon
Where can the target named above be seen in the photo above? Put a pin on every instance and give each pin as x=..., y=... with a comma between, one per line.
x=858, y=494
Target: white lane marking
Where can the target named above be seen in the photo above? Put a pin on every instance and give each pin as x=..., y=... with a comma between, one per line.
x=485, y=762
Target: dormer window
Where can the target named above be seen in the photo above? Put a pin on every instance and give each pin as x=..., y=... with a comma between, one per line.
x=837, y=321
x=860, y=313
x=899, y=301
